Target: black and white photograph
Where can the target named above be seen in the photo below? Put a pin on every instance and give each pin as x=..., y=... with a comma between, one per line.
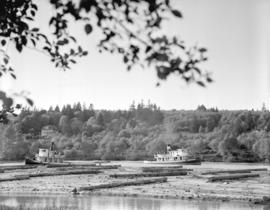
x=134, y=104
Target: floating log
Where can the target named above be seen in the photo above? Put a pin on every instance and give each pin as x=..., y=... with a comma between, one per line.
x=23, y=176
x=122, y=184
x=91, y=167
x=42, y=174
x=161, y=167
x=84, y=166
x=230, y=177
x=107, y=167
x=68, y=166
x=165, y=170
x=16, y=167
x=258, y=169
x=174, y=173
x=15, y=178
x=60, y=173
x=234, y=171
x=99, y=167
x=58, y=165
x=99, y=162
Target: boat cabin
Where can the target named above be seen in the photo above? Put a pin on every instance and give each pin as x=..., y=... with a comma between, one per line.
x=49, y=156
x=173, y=155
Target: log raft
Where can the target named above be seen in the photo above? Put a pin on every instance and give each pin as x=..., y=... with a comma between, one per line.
x=55, y=165
x=231, y=177
x=61, y=173
x=160, y=167
x=156, y=170
x=123, y=184
x=15, y=178
x=16, y=167
x=173, y=173
x=42, y=174
x=106, y=167
x=234, y=171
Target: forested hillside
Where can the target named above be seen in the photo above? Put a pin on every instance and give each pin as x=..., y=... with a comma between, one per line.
x=81, y=132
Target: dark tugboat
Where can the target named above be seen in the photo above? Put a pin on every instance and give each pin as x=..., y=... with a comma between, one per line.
x=45, y=157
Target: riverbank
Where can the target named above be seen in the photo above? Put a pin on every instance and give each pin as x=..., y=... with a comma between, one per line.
x=191, y=186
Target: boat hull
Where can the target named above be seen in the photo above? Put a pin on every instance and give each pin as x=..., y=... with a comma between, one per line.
x=179, y=162
x=29, y=161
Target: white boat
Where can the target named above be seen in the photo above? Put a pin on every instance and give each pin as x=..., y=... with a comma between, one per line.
x=178, y=156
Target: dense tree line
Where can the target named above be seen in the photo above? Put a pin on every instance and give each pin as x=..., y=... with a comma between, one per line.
x=82, y=132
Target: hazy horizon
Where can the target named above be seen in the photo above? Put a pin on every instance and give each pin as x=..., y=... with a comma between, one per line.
x=236, y=34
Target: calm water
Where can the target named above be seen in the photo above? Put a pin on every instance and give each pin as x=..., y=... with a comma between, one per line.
x=117, y=203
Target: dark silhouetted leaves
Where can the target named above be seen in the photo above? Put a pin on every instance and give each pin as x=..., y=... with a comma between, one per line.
x=88, y=28
x=13, y=75
x=202, y=50
x=3, y=42
x=5, y=60
x=128, y=28
x=85, y=53
x=148, y=48
x=30, y=101
x=125, y=59
x=18, y=106
x=177, y=13
x=209, y=79
x=35, y=29
x=201, y=83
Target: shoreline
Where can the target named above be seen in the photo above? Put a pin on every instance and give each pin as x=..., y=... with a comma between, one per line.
x=131, y=195
x=255, y=201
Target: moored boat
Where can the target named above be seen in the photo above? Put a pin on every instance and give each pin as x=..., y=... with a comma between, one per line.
x=178, y=157
x=45, y=157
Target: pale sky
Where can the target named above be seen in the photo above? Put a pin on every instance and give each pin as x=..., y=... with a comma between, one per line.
x=235, y=32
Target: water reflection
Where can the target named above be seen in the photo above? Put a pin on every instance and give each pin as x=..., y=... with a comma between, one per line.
x=120, y=203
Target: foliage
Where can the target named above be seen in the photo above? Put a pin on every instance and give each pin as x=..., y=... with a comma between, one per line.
x=132, y=29
x=138, y=133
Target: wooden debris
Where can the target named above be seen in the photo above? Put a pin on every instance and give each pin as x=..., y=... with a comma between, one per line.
x=234, y=171
x=58, y=165
x=165, y=169
x=106, y=167
x=161, y=167
x=230, y=177
x=174, y=173
x=22, y=176
x=85, y=166
x=99, y=162
x=16, y=167
x=122, y=184
x=15, y=178
x=42, y=174
x=60, y=173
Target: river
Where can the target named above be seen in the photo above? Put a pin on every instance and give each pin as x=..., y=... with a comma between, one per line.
x=65, y=202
